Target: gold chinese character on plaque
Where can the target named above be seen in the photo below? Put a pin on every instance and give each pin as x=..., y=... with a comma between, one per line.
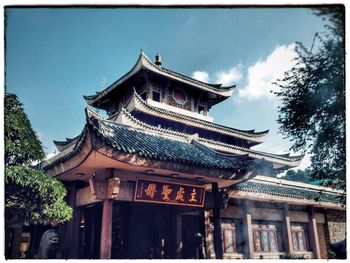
x=193, y=196
x=166, y=192
x=151, y=190
x=180, y=194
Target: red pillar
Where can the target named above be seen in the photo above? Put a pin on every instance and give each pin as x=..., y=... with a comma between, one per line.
x=106, y=230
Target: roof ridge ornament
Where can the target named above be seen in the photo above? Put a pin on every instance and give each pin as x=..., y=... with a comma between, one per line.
x=158, y=61
x=193, y=137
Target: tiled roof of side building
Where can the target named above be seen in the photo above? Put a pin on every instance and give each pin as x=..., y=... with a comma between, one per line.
x=286, y=191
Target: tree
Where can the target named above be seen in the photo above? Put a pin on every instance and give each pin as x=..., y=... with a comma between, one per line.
x=31, y=197
x=298, y=176
x=313, y=100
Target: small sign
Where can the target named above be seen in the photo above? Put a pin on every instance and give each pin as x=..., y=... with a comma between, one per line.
x=169, y=193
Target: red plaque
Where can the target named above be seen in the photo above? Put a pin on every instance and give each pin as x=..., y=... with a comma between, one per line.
x=169, y=193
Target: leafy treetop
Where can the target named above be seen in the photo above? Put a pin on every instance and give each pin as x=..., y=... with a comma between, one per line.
x=31, y=197
x=313, y=100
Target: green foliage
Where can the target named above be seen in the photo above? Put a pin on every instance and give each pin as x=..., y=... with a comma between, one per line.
x=33, y=197
x=21, y=143
x=30, y=195
x=298, y=176
x=313, y=100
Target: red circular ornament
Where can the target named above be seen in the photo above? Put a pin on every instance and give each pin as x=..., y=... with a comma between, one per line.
x=179, y=96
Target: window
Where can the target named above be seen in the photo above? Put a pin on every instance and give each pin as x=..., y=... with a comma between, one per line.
x=265, y=237
x=156, y=96
x=299, y=236
x=228, y=233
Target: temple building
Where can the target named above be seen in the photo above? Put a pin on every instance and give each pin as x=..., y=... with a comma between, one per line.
x=157, y=178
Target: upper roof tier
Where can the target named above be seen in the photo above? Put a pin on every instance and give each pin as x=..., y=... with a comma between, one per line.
x=187, y=122
x=216, y=92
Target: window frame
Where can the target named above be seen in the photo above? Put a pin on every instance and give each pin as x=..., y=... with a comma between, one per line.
x=258, y=230
x=225, y=228
x=304, y=233
x=156, y=94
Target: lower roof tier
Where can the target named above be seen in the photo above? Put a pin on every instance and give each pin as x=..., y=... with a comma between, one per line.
x=156, y=143
x=279, y=162
x=123, y=142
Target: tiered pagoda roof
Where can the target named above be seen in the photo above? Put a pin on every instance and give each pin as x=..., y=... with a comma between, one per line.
x=144, y=132
x=144, y=63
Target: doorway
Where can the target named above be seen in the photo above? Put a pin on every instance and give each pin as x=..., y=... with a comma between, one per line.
x=90, y=232
x=193, y=233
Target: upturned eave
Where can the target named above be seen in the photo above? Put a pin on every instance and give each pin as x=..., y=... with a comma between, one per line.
x=144, y=62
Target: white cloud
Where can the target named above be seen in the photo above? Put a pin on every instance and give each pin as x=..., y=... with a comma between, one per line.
x=224, y=77
x=229, y=77
x=263, y=73
x=201, y=75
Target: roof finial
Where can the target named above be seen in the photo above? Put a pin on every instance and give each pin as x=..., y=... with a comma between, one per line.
x=158, y=61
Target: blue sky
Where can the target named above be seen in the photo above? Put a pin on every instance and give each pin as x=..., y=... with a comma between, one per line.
x=54, y=56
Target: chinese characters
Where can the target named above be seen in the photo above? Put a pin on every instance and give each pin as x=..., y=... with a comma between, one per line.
x=151, y=190
x=169, y=193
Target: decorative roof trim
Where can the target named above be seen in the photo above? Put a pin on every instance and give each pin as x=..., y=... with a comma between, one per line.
x=144, y=62
x=62, y=145
x=217, y=88
x=291, y=161
x=67, y=153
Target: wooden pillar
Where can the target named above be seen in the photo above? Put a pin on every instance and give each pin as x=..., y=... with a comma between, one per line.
x=314, y=241
x=287, y=234
x=106, y=230
x=106, y=226
x=247, y=230
x=217, y=223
